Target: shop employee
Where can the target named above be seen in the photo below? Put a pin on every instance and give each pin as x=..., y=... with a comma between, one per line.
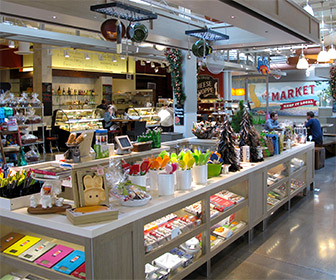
x=272, y=122
x=314, y=128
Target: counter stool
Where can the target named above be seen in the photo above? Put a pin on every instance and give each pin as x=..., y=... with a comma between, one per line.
x=51, y=139
x=319, y=157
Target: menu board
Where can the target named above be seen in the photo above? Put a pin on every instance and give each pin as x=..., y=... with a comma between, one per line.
x=179, y=114
x=47, y=98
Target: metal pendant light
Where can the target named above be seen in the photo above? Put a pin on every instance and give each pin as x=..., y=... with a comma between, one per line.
x=323, y=54
x=308, y=8
x=331, y=51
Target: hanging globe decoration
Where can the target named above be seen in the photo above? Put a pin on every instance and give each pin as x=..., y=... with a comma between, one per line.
x=198, y=48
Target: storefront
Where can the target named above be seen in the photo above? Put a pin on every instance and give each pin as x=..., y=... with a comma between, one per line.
x=99, y=193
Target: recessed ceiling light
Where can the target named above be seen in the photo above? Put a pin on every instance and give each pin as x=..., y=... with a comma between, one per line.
x=122, y=57
x=54, y=17
x=66, y=54
x=87, y=57
x=232, y=17
x=114, y=59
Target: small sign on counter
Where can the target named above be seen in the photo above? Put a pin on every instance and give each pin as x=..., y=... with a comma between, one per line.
x=179, y=114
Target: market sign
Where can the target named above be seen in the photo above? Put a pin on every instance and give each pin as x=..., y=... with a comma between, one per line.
x=288, y=98
x=207, y=87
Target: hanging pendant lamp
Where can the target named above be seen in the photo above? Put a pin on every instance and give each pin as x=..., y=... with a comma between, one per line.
x=308, y=8
x=302, y=63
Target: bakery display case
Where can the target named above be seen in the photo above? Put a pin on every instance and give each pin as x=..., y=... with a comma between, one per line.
x=149, y=115
x=79, y=120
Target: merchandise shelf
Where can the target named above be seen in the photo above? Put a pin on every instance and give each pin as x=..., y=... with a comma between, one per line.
x=298, y=172
x=295, y=192
x=229, y=212
x=272, y=209
x=277, y=184
x=222, y=245
x=183, y=272
x=30, y=144
x=169, y=245
x=33, y=268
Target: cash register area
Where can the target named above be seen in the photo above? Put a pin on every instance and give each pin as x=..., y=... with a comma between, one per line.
x=297, y=244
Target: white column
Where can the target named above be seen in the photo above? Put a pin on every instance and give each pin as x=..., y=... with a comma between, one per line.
x=227, y=85
x=189, y=77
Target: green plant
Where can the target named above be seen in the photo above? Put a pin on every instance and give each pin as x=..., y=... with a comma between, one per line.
x=201, y=158
x=238, y=117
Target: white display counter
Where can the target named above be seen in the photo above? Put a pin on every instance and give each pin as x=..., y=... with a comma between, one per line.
x=115, y=249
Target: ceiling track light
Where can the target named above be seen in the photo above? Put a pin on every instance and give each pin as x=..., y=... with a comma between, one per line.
x=122, y=57
x=11, y=44
x=152, y=64
x=66, y=54
x=142, y=63
x=156, y=69
x=87, y=57
x=114, y=59
x=148, y=61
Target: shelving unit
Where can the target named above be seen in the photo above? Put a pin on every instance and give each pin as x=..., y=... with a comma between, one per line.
x=115, y=250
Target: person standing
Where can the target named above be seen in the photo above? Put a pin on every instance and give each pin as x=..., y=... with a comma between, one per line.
x=314, y=128
x=272, y=122
x=103, y=105
x=166, y=115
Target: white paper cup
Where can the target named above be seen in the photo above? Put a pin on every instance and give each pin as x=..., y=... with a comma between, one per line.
x=200, y=174
x=138, y=180
x=153, y=179
x=183, y=179
x=166, y=184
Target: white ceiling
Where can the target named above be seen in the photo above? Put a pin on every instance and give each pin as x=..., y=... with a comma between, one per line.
x=168, y=29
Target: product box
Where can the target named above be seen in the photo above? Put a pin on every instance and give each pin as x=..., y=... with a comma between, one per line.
x=39, y=249
x=54, y=256
x=80, y=272
x=71, y=262
x=22, y=245
x=101, y=150
x=9, y=239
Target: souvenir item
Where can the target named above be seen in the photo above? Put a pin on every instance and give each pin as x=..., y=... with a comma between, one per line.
x=22, y=245
x=71, y=262
x=37, y=250
x=9, y=239
x=54, y=256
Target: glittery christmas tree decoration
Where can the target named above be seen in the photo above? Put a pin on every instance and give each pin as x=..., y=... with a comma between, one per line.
x=226, y=147
x=249, y=136
x=174, y=58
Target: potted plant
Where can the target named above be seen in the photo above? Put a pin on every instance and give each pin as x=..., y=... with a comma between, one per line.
x=215, y=165
x=185, y=162
x=200, y=171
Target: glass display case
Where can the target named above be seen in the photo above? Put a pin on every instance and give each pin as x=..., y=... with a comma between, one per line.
x=79, y=120
x=149, y=115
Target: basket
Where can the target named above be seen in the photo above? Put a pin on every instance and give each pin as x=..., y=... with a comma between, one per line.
x=142, y=146
x=208, y=134
x=270, y=146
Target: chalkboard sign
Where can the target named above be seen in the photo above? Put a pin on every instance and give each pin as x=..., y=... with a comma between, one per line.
x=107, y=93
x=179, y=114
x=47, y=98
x=207, y=87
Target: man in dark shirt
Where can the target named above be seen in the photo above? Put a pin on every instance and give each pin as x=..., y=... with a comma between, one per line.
x=103, y=105
x=314, y=128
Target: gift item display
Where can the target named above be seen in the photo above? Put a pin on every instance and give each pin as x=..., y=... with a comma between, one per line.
x=79, y=120
x=300, y=134
x=131, y=190
x=153, y=136
x=205, y=130
x=159, y=232
x=24, y=117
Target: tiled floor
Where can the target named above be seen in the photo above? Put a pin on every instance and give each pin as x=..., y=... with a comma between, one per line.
x=297, y=244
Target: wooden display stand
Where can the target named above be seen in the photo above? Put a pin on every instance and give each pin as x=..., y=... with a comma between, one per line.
x=115, y=250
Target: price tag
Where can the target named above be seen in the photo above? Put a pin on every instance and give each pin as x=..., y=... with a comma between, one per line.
x=175, y=232
x=100, y=171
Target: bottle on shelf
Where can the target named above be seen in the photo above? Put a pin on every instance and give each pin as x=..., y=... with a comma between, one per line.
x=63, y=92
x=69, y=91
x=59, y=92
